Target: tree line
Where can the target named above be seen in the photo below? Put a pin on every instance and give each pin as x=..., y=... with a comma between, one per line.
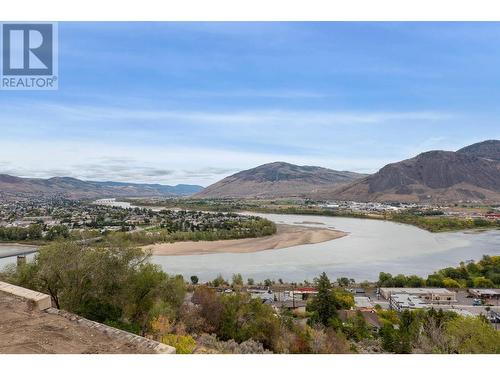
x=257, y=227
x=482, y=274
x=34, y=232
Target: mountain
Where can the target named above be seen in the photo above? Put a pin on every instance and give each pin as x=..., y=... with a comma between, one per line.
x=69, y=187
x=180, y=189
x=488, y=149
x=469, y=174
x=275, y=180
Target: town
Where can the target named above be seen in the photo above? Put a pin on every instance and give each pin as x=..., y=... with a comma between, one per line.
x=48, y=218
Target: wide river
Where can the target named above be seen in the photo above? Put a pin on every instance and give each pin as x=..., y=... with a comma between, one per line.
x=372, y=246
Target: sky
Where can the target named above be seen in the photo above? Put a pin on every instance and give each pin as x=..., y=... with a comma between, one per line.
x=194, y=102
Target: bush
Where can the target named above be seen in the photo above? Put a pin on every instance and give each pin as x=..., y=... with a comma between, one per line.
x=182, y=344
x=209, y=344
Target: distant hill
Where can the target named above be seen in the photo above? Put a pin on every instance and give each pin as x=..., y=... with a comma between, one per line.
x=69, y=187
x=275, y=180
x=470, y=174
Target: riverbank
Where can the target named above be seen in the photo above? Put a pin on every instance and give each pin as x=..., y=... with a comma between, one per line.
x=286, y=236
x=431, y=223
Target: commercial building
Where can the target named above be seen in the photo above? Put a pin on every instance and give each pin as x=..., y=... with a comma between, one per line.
x=428, y=295
x=486, y=294
x=400, y=302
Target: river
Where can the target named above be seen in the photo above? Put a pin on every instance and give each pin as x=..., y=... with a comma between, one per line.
x=372, y=246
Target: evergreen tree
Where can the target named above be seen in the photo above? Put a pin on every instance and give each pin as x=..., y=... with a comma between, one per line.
x=323, y=305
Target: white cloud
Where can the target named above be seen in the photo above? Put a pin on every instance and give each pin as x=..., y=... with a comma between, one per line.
x=170, y=165
x=188, y=146
x=248, y=117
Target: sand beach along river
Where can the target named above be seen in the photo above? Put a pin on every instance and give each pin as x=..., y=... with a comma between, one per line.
x=370, y=247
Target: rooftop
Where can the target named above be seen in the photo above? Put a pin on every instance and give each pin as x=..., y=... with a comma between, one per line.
x=491, y=292
x=408, y=301
x=417, y=290
x=370, y=317
x=363, y=302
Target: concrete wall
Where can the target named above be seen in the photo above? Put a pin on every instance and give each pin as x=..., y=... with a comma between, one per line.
x=118, y=334
x=38, y=300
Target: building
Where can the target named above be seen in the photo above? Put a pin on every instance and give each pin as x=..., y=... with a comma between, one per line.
x=363, y=303
x=304, y=293
x=428, y=295
x=492, y=216
x=292, y=305
x=403, y=301
x=370, y=317
x=490, y=295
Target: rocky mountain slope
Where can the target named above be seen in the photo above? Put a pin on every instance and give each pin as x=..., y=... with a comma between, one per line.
x=275, y=180
x=11, y=186
x=469, y=174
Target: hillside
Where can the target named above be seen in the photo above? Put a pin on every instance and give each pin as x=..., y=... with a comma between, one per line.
x=11, y=186
x=275, y=180
x=470, y=174
x=488, y=149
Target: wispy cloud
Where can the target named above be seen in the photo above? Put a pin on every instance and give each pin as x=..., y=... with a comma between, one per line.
x=198, y=101
x=257, y=116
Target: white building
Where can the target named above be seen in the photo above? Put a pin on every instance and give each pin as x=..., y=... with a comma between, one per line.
x=400, y=302
x=428, y=295
x=363, y=302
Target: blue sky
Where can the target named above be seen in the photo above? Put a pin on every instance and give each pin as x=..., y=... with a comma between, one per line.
x=194, y=102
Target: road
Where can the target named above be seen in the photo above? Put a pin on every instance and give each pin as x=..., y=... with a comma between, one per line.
x=7, y=251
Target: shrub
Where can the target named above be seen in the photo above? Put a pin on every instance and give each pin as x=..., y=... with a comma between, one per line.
x=183, y=344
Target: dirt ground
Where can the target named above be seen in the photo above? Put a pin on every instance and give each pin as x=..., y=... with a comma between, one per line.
x=37, y=332
x=286, y=236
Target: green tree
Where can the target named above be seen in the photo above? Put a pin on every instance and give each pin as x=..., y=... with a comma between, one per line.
x=385, y=279
x=237, y=280
x=322, y=306
x=450, y=283
x=356, y=328
x=219, y=281
x=414, y=281
x=470, y=335
x=194, y=280
x=403, y=344
x=435, y=280
x=110, y=283
x=57, y=231
x=482, y=282
x=244, y=318
x=388, y=336
x=343, y=281
x=145, y=290
x=399, y=281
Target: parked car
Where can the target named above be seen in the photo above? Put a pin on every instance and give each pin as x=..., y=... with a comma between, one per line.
x=477, y=302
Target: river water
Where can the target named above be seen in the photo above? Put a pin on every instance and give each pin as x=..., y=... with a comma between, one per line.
x=372, y=246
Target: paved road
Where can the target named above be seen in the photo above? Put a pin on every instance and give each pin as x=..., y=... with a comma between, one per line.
x=11, y=250
x=8, y=251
